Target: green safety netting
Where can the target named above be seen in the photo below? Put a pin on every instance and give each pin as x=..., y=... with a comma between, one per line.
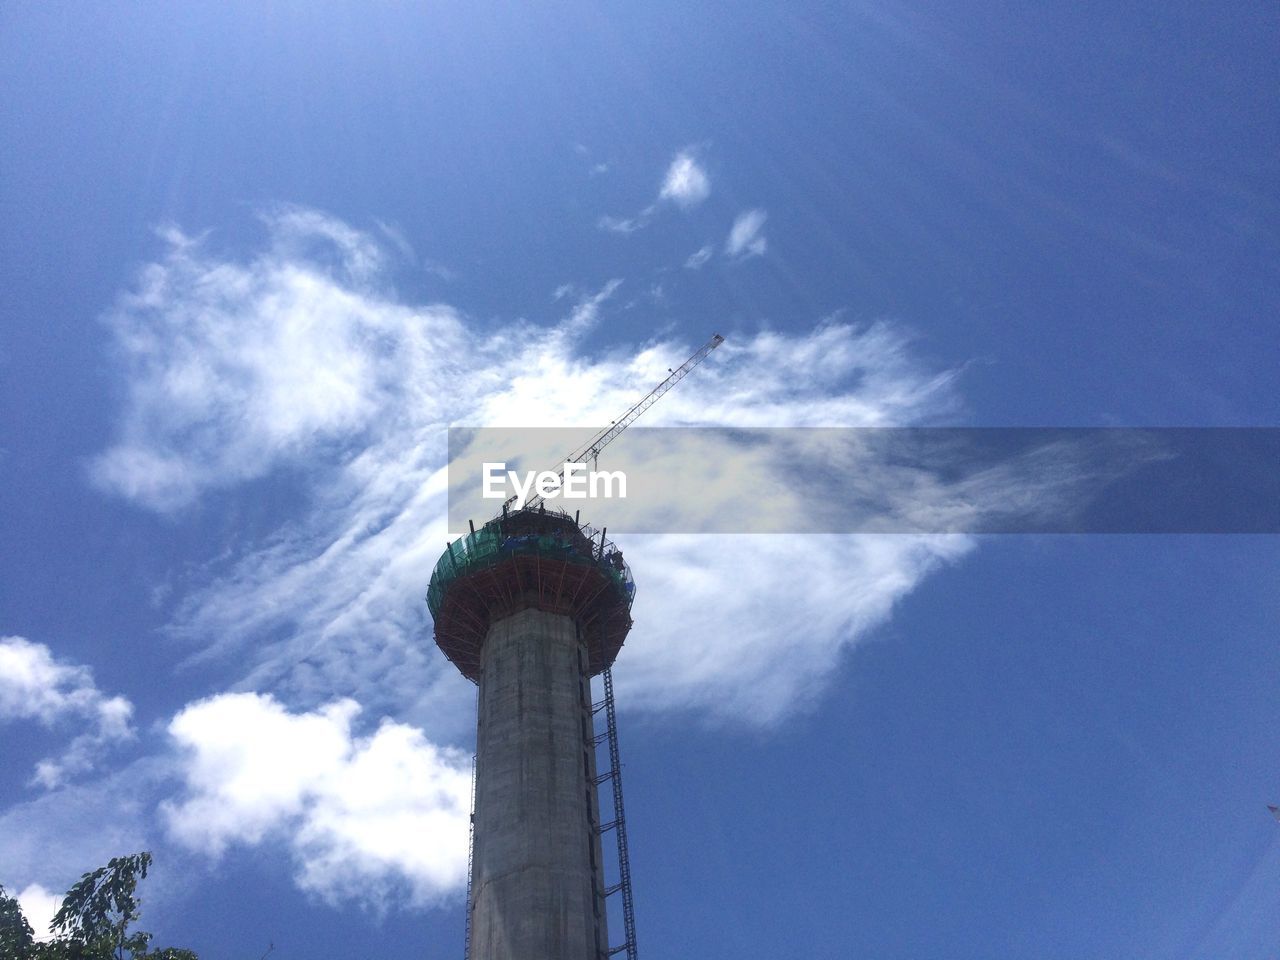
x=489, y=546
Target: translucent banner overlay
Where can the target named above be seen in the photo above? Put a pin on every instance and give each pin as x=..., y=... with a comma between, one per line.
x=883, y=480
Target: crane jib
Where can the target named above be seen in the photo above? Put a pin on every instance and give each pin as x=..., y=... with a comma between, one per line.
x=606, y=436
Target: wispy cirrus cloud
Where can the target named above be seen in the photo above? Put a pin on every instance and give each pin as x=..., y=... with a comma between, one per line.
x=233, y=368
x=595, y=169
x=626, y=225
x=698, y=259
x=34, y=685
x=48, y=841
x=333, y=602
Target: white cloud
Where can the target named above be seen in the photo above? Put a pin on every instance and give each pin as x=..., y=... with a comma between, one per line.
x=333, y=601
x=586, y=311
x=686, y=184
x=237, y=367
x=626, y=225
x=746, y=238
x=38, y=906
x=366, y=817
x=712, y=611
x=35, y=686
x=699, y=257
x=234, y=368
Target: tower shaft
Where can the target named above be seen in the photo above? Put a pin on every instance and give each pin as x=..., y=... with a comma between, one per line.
x=530, y=607
x=537, y=873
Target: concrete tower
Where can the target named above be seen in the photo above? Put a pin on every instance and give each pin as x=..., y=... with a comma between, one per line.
x=530, y=607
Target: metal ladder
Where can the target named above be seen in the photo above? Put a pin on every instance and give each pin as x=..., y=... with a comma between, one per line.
x=619, y=822
x=471, y=848
x=618, y=825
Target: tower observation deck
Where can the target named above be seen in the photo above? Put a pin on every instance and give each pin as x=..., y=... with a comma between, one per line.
x=530, y=607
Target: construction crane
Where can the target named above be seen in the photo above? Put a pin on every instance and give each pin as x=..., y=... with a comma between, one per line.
x=591, y=449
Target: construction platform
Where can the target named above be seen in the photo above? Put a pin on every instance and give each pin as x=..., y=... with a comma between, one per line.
x=531, y=559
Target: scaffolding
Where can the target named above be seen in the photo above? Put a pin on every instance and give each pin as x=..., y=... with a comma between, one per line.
x=549, y=532
x=541, y=559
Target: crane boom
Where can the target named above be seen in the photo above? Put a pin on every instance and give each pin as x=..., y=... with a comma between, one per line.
x=591, y=449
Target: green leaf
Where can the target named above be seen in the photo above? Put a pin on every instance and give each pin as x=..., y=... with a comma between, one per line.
x=93, y=921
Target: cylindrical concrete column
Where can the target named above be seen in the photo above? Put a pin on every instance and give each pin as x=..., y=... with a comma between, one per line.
x=537, y=889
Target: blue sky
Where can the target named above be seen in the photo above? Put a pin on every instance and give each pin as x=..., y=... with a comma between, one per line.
x=256, y=261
